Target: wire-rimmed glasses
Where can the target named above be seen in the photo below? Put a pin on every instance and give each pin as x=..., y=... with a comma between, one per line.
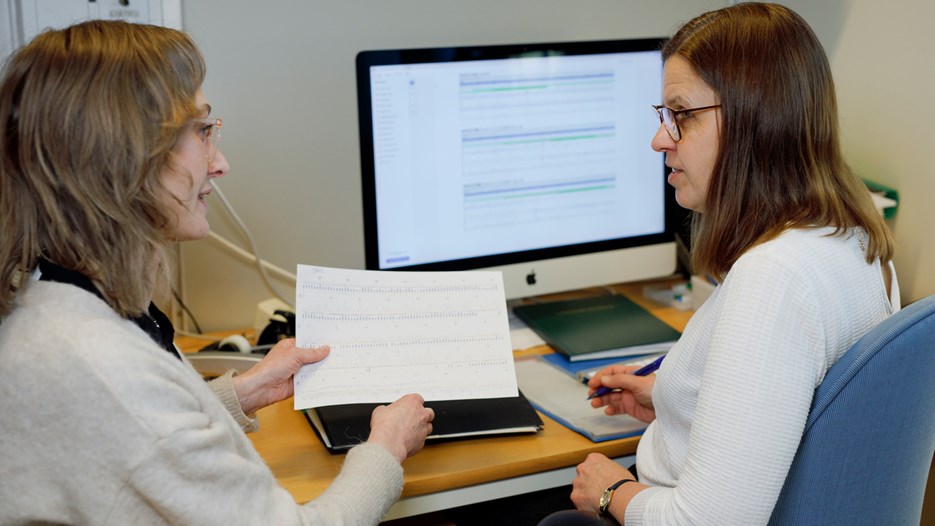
x=210, y=131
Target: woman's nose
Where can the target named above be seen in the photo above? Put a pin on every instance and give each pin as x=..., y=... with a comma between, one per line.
x=218, y=167
x=662, y=141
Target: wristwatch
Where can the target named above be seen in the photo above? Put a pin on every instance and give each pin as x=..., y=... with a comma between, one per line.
x=609, y=494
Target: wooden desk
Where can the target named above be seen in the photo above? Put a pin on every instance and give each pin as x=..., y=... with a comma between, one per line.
x=451, y=473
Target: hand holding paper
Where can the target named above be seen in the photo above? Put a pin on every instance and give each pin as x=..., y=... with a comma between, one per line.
x=443, y=335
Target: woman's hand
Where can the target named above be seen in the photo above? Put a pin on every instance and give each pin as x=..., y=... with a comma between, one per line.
x=270, y=380
x=402, y=426
x=634, y=399
x=595, y=475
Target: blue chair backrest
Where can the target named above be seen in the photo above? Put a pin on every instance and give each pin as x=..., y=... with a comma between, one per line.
x=870, y=434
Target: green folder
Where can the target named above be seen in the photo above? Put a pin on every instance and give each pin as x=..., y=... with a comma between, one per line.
x=602, y=327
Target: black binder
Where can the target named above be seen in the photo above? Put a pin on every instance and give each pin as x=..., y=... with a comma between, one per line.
x=342, y=427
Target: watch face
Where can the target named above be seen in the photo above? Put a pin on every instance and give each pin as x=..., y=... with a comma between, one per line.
x=605, y=500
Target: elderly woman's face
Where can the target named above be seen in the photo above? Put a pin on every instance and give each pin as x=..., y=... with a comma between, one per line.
x=692, y=158
x=189, y=183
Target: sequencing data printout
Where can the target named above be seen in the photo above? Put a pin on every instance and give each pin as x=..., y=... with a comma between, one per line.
x=444, y=335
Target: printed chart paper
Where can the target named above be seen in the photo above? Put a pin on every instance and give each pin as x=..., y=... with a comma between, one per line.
x=444, y=335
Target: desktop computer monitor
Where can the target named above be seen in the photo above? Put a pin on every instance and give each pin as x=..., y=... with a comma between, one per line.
x=534, y=160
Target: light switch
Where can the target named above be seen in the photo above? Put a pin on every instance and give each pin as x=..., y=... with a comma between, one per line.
x=29, y=17
x=145, y=11
x=40, y=14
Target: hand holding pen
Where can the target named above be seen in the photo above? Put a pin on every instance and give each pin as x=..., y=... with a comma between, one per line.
x=642, y=371
x=632, y=391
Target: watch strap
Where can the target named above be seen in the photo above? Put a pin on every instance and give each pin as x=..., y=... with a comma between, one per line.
x=609, y=494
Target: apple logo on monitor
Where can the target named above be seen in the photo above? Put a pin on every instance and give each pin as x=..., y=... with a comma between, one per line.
x=531, y=278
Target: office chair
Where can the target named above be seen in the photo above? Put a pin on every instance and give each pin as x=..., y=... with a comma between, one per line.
x=870, y=434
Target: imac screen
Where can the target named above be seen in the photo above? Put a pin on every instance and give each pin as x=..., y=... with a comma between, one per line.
x=516, y=157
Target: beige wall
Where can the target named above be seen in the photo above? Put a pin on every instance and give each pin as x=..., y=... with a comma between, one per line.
x=883, y=59
x=885, y=67
x=282, y=75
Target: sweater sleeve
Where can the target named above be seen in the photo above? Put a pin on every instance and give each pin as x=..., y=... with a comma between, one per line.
x=201, y=473
x=223, y=387
x=370, y=481
x=764, y=361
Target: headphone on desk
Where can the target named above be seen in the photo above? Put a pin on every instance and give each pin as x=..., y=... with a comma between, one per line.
x=280, y=327
x=233, y=343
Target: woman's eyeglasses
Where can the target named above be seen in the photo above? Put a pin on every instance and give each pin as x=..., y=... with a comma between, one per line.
x=210, y=130
x=670, y=118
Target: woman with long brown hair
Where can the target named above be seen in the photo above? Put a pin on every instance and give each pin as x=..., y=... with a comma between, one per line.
x=749, y=128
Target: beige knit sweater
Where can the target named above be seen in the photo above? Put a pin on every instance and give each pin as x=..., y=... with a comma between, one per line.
x=99, y=425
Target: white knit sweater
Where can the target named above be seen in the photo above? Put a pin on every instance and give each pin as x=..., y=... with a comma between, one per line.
x=99, y=425
x=733, y=395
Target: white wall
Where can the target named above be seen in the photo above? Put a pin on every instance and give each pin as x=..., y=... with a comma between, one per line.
x=7, y=36
x=281, y=74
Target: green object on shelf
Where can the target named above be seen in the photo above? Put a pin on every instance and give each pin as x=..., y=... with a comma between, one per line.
x=887, y=192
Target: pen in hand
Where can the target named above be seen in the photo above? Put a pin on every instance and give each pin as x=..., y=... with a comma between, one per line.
x=642, y=371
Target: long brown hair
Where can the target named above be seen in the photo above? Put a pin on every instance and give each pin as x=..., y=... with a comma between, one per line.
x=780, y=164
x=89, y=117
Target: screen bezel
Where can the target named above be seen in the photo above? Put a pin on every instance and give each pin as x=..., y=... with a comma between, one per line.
x=674, y=215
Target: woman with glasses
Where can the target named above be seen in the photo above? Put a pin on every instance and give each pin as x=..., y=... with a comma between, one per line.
x=107, y=150
x=749, y=128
